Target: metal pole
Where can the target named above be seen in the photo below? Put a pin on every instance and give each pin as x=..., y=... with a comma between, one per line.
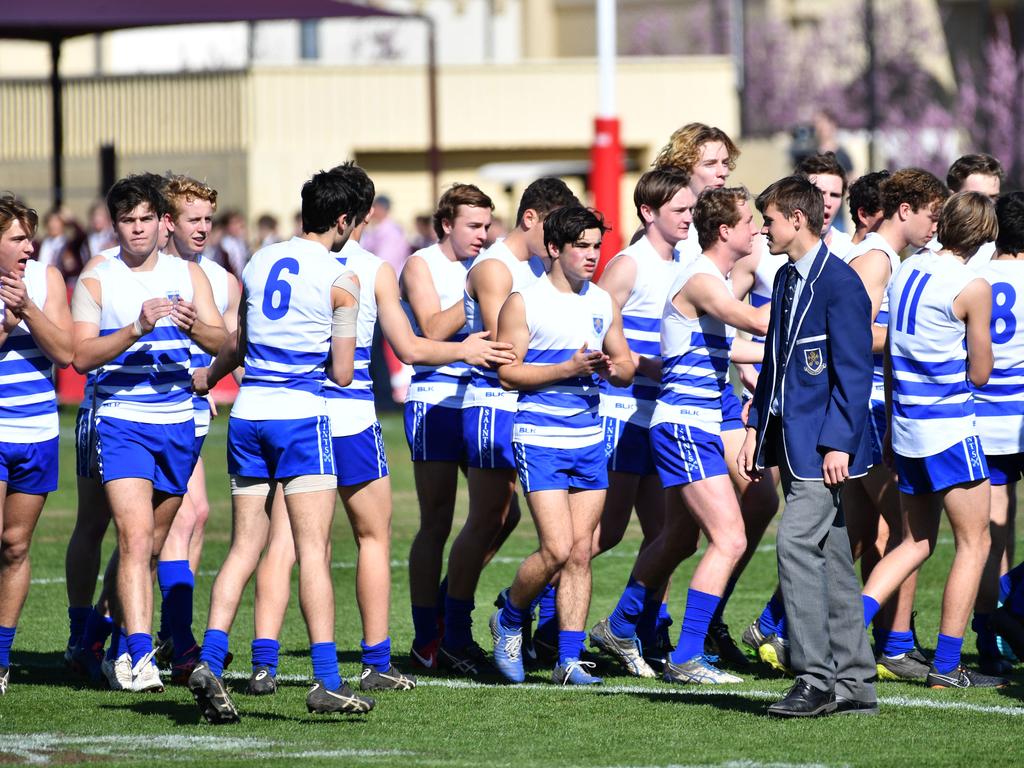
x=869, y=36
x=58, y=123
x=433, y=149
x=738, y=24
x=606, y=152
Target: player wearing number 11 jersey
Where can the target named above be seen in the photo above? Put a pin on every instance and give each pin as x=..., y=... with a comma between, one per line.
x=939, y=345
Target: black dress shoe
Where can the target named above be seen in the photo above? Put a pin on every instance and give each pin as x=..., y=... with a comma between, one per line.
x=804, y=701
x=846, y=706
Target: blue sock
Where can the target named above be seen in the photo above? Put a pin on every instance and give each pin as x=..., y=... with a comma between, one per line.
x=325, y=664
x=265, y=653
x=177, y=584
x=730, y=585
x=547, y=615
x=664, y=617
x=700, y=607
x=897, y=643
x=377, y=656
x=458, y=623
x=1009, y=580
x=774, y=612
x=97, y=629
x=782, y=628
x=116, y=641
x=139, y=644
x=6, y=641
x=77, y=616
x=215, y=649
x=570, y=645
x=871, y=609
x=647, y=621
x=988, y=645
x=623, y=619
x=424, y=625
x=512, y=617
x=442, y=595
x=880, y=635
x=947, y=654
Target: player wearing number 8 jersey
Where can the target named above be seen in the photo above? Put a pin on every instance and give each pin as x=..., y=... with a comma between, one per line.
x=936, y=305
x=298, y=306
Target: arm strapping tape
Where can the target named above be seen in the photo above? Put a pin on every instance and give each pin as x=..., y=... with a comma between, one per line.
x=84, y=308
x=343, y=321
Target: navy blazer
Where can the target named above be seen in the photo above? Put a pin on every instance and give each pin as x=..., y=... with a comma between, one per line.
x=827, y=381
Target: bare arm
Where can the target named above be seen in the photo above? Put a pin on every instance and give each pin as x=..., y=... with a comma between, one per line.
x=974, y=307
x=512, y=328
x=710, y=296
x=746, y=351
x=343, y=348
x=490, y=283
x=418, y=289
x=742, y=275
x=50, y=325
x=200, y=318
x=621, y=369
x=618, y=279
x=874, y=270
x=416, y=350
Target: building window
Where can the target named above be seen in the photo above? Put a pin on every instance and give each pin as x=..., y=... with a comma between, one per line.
x=309, y=39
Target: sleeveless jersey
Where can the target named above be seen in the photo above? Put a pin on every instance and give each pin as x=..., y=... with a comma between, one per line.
x=695, y=371
x=764, y=281
x=483, y=388
x=982, y=256
x=441, y=384
x=875, y=242
x=218, y=277
x=840, y=243
x=287, y=292
x=932, y=404
x=1000, y=403
x=563, y=414
x=351, y=408
x=28, y=402
x=689, y=249
x=149, y=382
x=641, y=324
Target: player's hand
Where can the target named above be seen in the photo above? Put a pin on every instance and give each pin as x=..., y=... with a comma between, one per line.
x=201, y=384
x=213, y=407
x=586, y=362
x=745, y=413
x=835, y=469
x=14, y=295
x=477, y=350
x=153, y=310
x=183, y=314
x=748, y=378
x=745, y=462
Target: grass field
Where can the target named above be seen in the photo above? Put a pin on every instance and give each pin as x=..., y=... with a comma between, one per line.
x=48, y=717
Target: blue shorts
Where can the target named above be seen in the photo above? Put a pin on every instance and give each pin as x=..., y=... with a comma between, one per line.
x=732, y=410
x=685, y=454
x=30, y=467
x=160, y=453
x=487, y=435
x=1006, y=468
x=360, y=458
x=85, y=443
x=558, y=469
x=434, y=432
x=628, y=447
x=877, y=427
x=197, y=449
x=961, y=463
x=280, y=448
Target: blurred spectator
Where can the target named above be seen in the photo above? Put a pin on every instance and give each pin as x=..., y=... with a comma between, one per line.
x=826, y=136
x=266, y=231
x=297, y=219
x=496, y=231
x=384, y=236
x=100, y=235
x=425, y=235
x=62, y=244
x=234, y=253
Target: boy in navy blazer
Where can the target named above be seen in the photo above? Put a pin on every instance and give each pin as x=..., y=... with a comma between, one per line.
x=809, y=417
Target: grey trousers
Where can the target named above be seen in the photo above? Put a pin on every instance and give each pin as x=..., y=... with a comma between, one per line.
x=828, y=645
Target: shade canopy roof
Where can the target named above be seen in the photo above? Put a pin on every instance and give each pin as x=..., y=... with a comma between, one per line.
x=59, y=19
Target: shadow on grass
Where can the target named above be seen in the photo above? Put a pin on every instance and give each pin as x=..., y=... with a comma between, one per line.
x=178, y=712
x=725, y=700
x=344, y=656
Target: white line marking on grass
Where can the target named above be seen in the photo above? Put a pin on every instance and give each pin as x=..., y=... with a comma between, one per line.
x=736, y=764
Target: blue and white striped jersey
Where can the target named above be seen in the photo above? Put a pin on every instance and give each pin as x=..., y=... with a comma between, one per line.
x=218, y=277
x=483, y=388
x=441, y=384
x=875, y=242
x=932, y=408
x=28, y=402
x=149, y=382
x=563, y=414
x=287, y=294
x=695, y=353
x=641, y=324
x=1000, y=403
x=351, y=408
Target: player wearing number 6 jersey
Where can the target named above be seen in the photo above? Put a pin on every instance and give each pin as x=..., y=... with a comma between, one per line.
x=937, y=303
x=299, y=305
x=1000, y=419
